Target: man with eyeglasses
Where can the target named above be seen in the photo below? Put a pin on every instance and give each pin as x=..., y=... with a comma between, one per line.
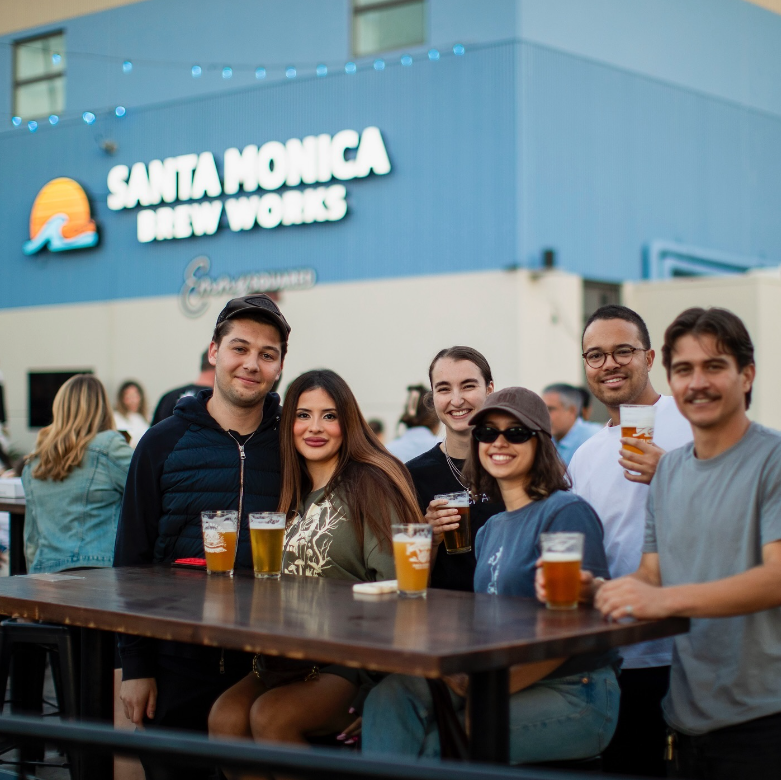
x=617, y=359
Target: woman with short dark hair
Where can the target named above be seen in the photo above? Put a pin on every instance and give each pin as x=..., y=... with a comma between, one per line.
x=564, y=708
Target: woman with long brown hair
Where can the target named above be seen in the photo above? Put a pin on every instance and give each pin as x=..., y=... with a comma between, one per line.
x=344, y=490
x=74, y=481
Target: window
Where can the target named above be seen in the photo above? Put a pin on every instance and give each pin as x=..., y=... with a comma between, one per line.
x=379, y=25
x=39, y=76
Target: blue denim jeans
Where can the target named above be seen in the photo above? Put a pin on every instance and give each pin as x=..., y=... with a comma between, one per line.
x=552, y=720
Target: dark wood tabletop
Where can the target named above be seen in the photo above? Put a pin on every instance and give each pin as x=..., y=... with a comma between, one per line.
x=321, y=619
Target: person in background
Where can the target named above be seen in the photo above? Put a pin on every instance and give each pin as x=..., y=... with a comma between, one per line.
x=130, y=413
x=585, y=406
x=345, y=491
x=618, y=358
x=562, y=708
x=564, y=404
x=712, y=553
x=74, y=481
x=166, y=404
x=378, y=429
x=461, y=381
x=422, y=425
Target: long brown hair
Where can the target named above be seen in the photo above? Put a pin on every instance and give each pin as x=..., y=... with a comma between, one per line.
x=376, y=487
x=547, y=474
x=81, y=410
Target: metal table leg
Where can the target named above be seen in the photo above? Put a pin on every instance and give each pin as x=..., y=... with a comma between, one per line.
x=489, y=716
x=96, y=697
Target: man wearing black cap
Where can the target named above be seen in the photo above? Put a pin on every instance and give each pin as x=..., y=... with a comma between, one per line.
x=220, y=450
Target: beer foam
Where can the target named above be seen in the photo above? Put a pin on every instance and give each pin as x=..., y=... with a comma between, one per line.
x=418, y=541
x=265, y=525
x=458, y=503
x=561, y=557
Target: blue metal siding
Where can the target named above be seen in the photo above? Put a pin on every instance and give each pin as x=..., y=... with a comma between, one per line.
x=613, y=160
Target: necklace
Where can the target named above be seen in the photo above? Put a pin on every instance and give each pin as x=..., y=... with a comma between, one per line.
x=455, y=470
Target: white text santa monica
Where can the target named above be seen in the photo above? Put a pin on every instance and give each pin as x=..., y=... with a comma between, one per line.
x=316, y=159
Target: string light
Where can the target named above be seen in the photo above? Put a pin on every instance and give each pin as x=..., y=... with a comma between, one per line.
x=321, y=70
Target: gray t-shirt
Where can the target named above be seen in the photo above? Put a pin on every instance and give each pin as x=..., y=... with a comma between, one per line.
x=707, y=520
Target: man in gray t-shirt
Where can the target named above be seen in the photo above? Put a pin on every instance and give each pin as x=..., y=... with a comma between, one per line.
x=713, y=553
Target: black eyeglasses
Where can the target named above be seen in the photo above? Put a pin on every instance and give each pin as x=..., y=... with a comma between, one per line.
x=485, y=434
x=622, y=355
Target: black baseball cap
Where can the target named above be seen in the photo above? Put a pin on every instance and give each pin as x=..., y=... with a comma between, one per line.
x=258, y=306
x=527, y=407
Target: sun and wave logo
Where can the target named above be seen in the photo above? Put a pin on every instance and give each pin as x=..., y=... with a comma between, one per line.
x=61, y=219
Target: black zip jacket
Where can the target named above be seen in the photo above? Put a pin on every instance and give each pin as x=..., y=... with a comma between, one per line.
x=184, y=465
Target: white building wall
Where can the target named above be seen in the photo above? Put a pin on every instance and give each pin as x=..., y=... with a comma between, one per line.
x=379, y=335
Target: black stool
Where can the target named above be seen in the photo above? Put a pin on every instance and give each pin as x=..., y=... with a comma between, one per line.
x=39, y=640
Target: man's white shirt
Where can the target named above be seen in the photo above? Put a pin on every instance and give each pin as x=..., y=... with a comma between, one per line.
x=599, y=479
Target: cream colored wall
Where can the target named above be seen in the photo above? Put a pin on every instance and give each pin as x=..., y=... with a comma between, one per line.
x=19, y=15
x=380, y=335
x=755, y=297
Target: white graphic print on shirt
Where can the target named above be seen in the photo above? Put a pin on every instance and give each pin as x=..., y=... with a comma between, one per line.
x=493, y=562
x=308, y=540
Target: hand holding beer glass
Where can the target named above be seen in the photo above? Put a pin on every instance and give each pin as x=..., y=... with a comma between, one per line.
x=637, y=422
x=412, y=554
x=267, y=537
x=458, y=540
x=562, y=554
x=220, y=533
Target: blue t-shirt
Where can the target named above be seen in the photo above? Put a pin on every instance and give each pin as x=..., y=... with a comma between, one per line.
x=508, y=546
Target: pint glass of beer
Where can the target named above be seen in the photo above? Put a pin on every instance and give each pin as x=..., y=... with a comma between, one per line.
x=637, y=422
x=412, y=553
x=460, y=540
x=220, y=531
x=561, y=557
x=267, y=536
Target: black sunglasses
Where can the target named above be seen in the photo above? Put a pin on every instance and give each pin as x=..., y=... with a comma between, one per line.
x=485, y=434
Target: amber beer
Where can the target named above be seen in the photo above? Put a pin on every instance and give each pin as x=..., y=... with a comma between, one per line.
x=460, y=540
x=412, y=554
x=220, y=534
x=267, y=537
x=637, y=422
x=562, y=554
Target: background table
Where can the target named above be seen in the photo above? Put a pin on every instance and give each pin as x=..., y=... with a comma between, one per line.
x=320, y=619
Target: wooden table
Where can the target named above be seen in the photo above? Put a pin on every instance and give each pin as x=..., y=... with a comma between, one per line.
x=17, y=508
x=323, y=620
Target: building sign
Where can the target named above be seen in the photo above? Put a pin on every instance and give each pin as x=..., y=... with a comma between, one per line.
x=60, y=219
x=199, y=286
x=193, y=182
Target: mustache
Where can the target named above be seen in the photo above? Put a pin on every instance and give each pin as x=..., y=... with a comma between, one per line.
x=701, y=395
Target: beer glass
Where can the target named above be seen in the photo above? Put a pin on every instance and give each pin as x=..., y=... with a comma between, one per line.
x=561, y=557
x=220, y=532
x=412, y=553
x=637, y=422
x=267, y=537
x=460, y=540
